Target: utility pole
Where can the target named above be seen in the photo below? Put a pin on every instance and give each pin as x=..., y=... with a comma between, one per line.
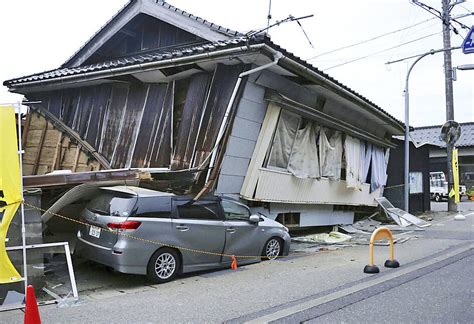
x=448, y=82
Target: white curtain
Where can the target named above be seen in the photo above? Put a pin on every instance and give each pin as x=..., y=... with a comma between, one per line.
x=352, y=149
x=379, y=169
x=330, y=154
x=366, y=157
x=304, y=162
x=283, y=141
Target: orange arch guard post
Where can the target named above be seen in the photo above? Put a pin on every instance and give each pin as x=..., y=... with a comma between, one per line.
x=378, y=234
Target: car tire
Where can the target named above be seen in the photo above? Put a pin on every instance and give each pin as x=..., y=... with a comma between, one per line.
x=272, y=249
x=164, y=266
x=437, y=198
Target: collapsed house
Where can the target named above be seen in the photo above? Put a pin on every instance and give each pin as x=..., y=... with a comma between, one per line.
x=170, y=101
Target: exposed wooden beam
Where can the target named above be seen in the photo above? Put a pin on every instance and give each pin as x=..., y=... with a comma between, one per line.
x=25, y=130
x=40, y=148
x=57, y=152
x=76, y=157
x=72, y=134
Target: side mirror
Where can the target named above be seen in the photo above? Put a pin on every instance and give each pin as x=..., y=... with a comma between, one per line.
x=254, y=219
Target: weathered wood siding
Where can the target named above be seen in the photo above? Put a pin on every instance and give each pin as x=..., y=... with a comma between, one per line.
x=147, y=125
x=48, y=149
x=142, y=33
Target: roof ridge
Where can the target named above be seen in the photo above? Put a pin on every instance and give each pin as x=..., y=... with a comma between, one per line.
x=439, y=126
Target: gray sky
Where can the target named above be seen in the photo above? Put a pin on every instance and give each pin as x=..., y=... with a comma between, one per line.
x=40, y=35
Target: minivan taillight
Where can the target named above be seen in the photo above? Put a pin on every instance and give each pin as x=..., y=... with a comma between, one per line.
x=127, y=225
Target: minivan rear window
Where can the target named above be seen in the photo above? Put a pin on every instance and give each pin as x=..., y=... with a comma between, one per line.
x=112, y=203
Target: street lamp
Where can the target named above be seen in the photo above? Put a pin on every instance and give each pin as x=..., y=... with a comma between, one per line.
x=407, y=134
x=407, y=125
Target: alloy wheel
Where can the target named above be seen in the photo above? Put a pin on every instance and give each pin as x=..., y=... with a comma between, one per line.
x=165, y=265
x=272, y=250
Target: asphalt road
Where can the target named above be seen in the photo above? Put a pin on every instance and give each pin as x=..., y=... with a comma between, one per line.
x=433, y=284
x=464, y=205
x=438, y=295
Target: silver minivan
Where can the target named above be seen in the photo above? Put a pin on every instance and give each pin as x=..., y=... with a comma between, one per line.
x=141, y=231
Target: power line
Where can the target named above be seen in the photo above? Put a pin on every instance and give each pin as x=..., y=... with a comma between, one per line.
x=381, y=51
x=370, y=39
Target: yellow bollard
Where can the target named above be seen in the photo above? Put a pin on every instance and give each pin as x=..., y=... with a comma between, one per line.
x=378, y=234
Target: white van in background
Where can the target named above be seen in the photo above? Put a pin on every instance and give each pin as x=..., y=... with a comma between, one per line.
x=439, y=187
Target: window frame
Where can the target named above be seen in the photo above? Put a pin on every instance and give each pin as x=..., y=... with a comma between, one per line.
x=238, y=204
x=175, y=203
x=269, y=150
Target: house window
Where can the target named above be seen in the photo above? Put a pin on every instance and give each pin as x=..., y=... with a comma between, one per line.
x=283, y=140
x=289, y=219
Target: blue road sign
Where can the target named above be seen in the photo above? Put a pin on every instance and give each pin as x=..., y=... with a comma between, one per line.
x=468, y=44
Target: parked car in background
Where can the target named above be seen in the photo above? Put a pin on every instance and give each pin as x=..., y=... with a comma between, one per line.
x=140, y=231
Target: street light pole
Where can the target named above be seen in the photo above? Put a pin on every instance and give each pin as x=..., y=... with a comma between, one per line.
x=407, y=120
x=407, y=132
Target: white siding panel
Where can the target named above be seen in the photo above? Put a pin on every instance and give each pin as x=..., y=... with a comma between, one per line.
x=284, y=187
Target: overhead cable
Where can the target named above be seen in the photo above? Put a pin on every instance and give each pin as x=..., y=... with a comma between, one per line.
x=381, y=51
x=370, y=39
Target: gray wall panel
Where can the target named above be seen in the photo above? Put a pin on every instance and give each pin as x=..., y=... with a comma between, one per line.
x=229, y=184
x=240, y=147
x=235, y=166
x=241, y=144
x=253, y=92
x=245, y=128
x=251, y=110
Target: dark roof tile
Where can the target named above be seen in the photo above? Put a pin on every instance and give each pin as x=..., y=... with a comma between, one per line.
x=431, y=135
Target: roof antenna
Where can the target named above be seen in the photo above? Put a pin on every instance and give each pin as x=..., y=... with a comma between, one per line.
x=304, y=32
x=269, y=16
x=278, y=23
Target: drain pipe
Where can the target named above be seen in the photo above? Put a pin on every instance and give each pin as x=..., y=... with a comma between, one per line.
x=276, y=57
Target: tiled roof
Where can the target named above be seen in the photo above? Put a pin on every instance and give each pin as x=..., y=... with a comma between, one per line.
x=175, y=52
x=430, y=134
x=226, y=31
x=143, y=57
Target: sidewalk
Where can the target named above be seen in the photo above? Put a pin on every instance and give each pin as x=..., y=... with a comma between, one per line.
x=254, y=290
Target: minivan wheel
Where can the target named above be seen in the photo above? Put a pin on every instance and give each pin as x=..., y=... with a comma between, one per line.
x=437, y=198
x=163, y=266
x=272, y=249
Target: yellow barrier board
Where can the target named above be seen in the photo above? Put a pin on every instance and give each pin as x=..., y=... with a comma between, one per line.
x=8, y=273
x=9, y=163
x=10, y=193
x=455, y=190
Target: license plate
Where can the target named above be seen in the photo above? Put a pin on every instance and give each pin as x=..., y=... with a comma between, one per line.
x=94, y=231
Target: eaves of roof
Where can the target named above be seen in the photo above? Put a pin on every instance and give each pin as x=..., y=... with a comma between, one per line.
x=139, y=60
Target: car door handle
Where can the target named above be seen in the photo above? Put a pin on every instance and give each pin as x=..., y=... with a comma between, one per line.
x=231, y=230
x=182, y=228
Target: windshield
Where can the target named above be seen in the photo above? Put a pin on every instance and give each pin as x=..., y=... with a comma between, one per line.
x=112, y=203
